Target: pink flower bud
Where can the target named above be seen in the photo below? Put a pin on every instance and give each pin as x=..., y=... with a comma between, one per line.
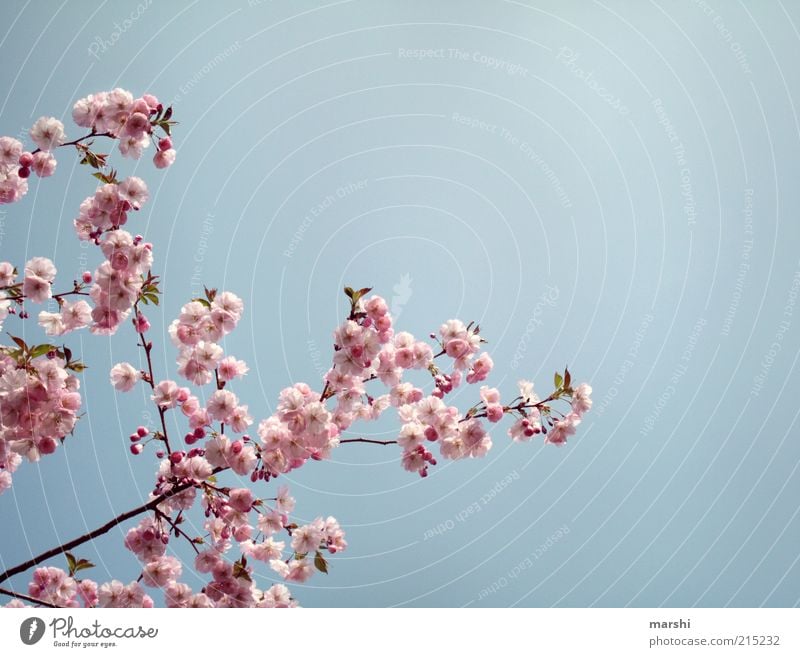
x=141, y=323
x=164, y=144
x=136, y=449
x=47, y=446
x=86, y=277
x=142, y=431
x=24, y=172
x=176, y=457
x=26, y=159
x=135, y=437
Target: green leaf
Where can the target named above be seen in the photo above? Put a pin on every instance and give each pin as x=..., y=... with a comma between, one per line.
x=41, y=350
x=320, y=563
x=240, y=571
x=83, y=564
x=76, y=366
x=558, y=381
x=71, y=563
x=20, y=342
x=349, y=292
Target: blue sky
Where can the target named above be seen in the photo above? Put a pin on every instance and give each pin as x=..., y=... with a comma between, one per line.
x=609, y=186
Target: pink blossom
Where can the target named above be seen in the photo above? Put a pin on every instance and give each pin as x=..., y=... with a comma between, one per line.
x=164, y=158
x=10, y=151
x=165, y=394
x=134, y=191
x=562, y=430
x=36, y=289
x=307, y=538
x=161, y=571
x=124, y=376
x=581, y=401
x=12, y=186
x=7, y=274
x=241, y=499
x=231, y=368
x=47, y=133
x=44, y=164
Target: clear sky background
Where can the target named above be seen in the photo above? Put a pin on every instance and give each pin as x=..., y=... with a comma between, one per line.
x=609, y=185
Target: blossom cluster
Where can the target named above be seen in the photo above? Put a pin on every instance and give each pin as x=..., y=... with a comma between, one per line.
x=131, y=120
x=116, y=114
x=234, y=517
x=39, y=402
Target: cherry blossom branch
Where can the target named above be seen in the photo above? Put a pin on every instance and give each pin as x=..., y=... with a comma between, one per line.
x=75, y=142
x=77, y=290
x=178, y=531
x=148, y=346
x=103, y=529
x=27, y=598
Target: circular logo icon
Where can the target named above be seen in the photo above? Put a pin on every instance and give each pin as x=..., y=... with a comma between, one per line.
x=31, y=630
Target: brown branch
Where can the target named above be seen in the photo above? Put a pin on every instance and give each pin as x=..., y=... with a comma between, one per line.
x=28, y=598
x=75, y=542
x=77, y=141
x=147, y=346
x=178, y=531
x=365, y=440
